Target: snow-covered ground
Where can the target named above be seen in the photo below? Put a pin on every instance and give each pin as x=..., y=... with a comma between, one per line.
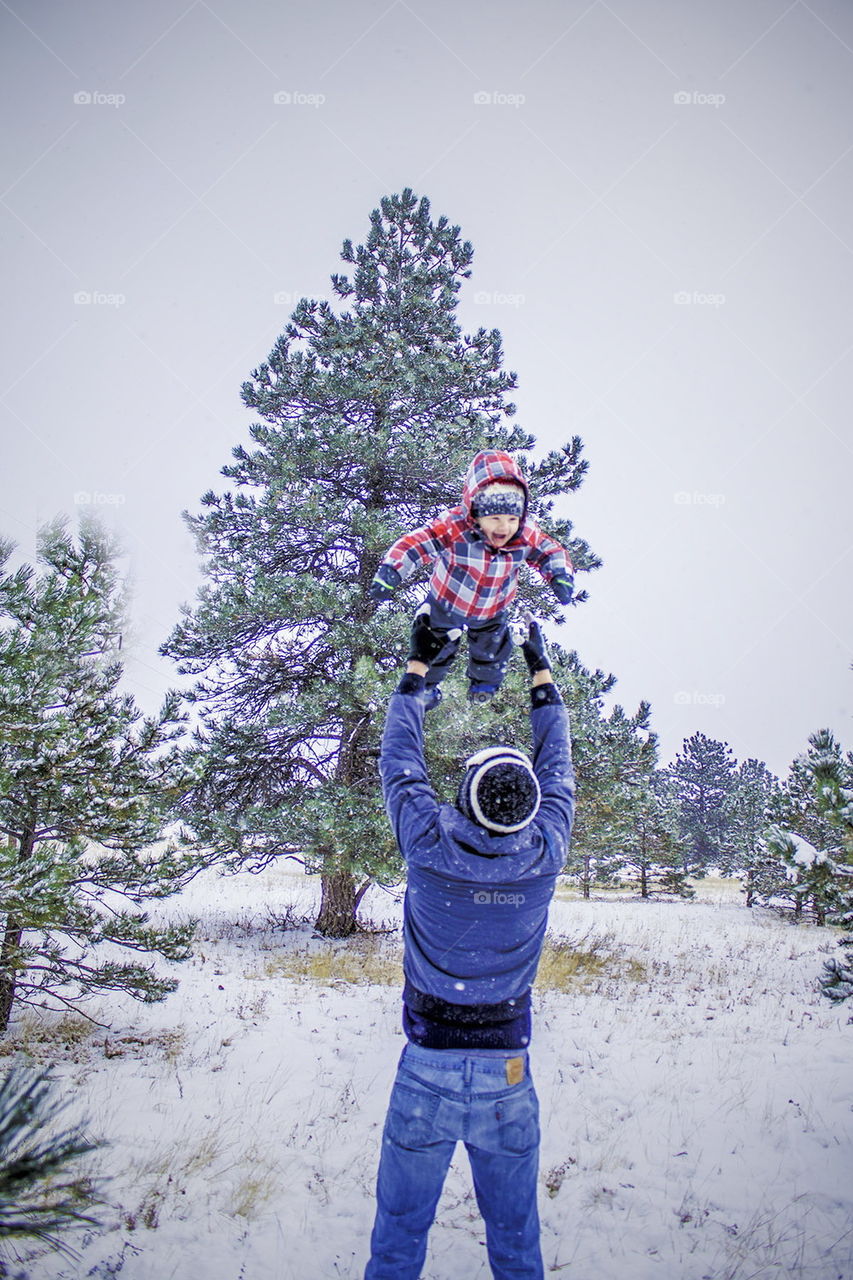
x=696, y=1095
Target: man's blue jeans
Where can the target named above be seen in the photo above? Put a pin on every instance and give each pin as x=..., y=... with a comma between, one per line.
x=440, y=1097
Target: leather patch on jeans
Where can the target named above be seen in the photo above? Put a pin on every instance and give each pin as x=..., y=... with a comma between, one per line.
x=514, y=1070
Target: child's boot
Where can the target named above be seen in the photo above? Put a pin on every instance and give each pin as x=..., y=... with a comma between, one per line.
x=480, y=692
x=432, y=697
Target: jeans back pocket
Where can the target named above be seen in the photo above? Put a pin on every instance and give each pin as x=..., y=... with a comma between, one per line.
x=517, y=1117
x=411, y=1116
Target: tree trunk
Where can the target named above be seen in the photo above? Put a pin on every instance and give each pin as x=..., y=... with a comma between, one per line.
x=586, y=876
x=644, y=880
x=8, y=957
x=340, y=898
x=12, y=943
x=339, y=903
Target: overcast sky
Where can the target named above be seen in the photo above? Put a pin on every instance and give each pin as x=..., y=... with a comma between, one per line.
x=659, y=198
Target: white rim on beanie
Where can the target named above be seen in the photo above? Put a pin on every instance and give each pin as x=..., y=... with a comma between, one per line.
x=495, y=489
x=481, y=762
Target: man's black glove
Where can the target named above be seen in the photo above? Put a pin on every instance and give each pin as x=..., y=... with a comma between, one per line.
x=535, y=653
x=426, y=644
x=562, y=586
x=385, y=580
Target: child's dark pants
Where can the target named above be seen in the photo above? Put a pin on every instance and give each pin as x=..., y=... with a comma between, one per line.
x=489, y=647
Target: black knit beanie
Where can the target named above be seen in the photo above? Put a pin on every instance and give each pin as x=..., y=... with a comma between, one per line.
x=500, y=498
x=499, y=791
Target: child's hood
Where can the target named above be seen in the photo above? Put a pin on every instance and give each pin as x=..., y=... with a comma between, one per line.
x=487, y=467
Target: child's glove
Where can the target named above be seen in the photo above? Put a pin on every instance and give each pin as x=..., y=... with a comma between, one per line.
x=384, y=581
x=535, y=653
x=562, y=586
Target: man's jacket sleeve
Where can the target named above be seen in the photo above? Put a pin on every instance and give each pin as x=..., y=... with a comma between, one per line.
x=552, y=764
x=409, y=799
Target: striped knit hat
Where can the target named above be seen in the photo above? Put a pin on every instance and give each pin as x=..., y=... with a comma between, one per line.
x=500, y=498
x=499, y=791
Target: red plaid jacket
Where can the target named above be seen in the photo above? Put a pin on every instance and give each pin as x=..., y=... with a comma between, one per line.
x=470, y=579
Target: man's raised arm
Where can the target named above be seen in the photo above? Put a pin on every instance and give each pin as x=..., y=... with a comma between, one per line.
x=552, y=747
x=409, y=799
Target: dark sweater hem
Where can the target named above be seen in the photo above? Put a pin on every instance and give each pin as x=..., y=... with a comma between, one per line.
x=434, y=1023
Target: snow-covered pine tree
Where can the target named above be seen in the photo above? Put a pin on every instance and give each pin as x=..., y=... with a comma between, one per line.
x=837, y=981
x=599, y=828
x=370, y=415
x=832, y=771
x=704, y=775
x=85, y=785
x=613, y=753
x=748, y=816
x=795, y=805
x=818, y=800
x=653, y=850
x=802, y=842
x=812, y=874
x=39, y=1195
x=611, y=763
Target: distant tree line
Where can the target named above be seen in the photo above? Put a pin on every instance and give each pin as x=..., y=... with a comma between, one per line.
x=788, y=841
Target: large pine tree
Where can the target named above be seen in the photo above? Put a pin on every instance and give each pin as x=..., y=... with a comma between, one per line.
x=86, y=785
x=748, y=816
x=369, y=414
x=812, y=837
x=653, y=849
x=704, y=775
x=613, y=754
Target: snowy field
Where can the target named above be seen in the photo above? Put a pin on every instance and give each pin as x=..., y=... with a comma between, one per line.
x=696, y=1094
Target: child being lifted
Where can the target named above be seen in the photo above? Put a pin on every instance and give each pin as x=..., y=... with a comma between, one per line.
x=477, y=549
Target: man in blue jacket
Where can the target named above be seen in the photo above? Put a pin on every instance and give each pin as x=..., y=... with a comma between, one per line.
x=480, y=877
